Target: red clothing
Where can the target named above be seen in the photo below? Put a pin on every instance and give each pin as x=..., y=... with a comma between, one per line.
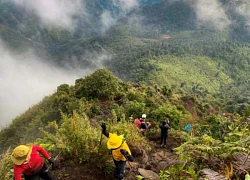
x=137, y=123
x=35, y=162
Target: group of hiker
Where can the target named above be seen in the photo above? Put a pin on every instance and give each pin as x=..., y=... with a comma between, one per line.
x=143, y=126
x=27, y=159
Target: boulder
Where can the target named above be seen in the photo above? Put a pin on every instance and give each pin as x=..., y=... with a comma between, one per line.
x=211, y=175
x=148, y=174
x=161, y=165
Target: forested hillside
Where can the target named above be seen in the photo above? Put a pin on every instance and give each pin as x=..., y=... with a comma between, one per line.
x=209, y=59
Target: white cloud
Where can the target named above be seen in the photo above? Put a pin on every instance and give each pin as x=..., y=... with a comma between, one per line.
x=211, y=13
x=25, y=81
x=59, y=13
x=125, y=5
x=128, y=4
x=244, y=10
x=107, y=20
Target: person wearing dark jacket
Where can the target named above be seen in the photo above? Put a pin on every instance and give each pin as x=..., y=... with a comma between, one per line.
x=165, y=126
x=120, y=152
x=27, y=160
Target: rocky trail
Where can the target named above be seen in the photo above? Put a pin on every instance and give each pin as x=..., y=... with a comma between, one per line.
x=147, y=163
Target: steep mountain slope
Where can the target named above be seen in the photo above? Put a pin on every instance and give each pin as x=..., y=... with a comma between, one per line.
x=204, y=56
x=208, y=67
x=69, y=125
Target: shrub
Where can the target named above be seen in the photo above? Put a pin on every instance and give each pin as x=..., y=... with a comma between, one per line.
x=133, y=137
x=6, y=166
x=101, y=84
x=136, y=109
x=78, y=140
x=135, y=96
x=167, y=112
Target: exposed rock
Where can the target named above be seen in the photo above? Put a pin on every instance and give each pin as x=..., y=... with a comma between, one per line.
x=158, y=156
x=211, y=175
x=131, y=165
x=136, y=151
x=145, y=158
x=148, y=167
x=148, y=174
x=161, y=165
x=242, y=163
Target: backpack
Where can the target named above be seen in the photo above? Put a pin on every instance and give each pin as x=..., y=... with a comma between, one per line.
x=137, y=123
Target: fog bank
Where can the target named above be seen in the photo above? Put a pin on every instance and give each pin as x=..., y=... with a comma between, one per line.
x=26, y=80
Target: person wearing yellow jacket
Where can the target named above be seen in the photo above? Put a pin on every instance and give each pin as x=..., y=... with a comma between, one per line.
x=120, y=151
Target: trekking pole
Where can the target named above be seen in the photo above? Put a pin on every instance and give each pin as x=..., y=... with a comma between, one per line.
x=47, y=170
x=100, y=144
x=128, y=162
x=103, y=124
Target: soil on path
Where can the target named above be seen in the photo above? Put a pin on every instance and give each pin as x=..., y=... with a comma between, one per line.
x=80, y=172
x=89, y=172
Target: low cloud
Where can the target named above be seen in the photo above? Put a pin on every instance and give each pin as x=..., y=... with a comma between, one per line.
x=56, y=13
x=244, y=10
x=126, y=4
x=211, y=13
x=62, y=13
x=26, y=80
x=107, y=20
x=124, y=7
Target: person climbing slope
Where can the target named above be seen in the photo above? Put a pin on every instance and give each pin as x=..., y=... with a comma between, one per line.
x=120, y=151
x=27, y=160
x=165, y=126
x=144, y=125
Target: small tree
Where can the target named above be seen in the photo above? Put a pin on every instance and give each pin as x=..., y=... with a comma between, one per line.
x=101, y=84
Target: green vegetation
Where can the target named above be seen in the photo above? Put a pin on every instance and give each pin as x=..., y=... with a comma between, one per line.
x=99, y=94
x=69, y=122
x=198, y=60
x=199, y=76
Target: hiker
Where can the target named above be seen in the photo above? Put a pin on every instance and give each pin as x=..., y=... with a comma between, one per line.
x=187, y=128
x=27, y=160
x=165, y=126
x=144, y=125
x=120, y=151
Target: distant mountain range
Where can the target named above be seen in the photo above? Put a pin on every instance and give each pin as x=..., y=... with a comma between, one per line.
x=21, y=23
x=207, y=52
